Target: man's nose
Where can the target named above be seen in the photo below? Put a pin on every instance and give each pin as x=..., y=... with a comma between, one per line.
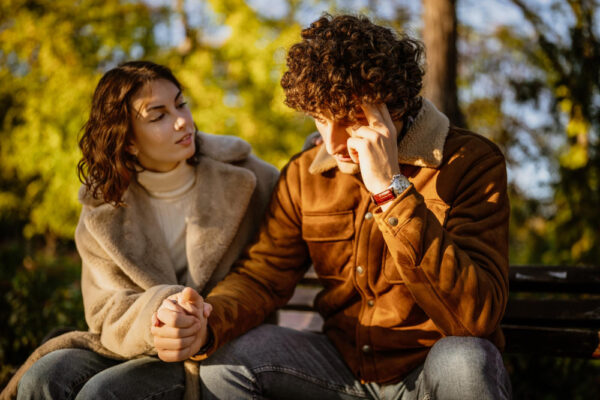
x=338, y=136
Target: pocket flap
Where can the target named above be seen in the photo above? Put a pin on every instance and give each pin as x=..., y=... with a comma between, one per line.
x=328, y=227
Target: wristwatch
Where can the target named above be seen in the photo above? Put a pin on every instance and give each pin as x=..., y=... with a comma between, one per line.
x=399, y=184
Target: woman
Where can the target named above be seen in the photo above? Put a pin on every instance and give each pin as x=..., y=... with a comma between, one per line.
x=164, y=208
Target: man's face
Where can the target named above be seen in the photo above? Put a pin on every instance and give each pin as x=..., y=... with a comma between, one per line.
x=335, y=134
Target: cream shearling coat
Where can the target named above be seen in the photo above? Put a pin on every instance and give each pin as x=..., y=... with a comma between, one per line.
x=126, y=269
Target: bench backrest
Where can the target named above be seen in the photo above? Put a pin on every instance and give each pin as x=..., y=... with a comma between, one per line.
x=552, y=310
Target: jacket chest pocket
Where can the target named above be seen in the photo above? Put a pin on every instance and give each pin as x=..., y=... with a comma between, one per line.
x=330, y=241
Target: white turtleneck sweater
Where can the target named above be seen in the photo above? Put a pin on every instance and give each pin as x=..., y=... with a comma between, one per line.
x=171, y=200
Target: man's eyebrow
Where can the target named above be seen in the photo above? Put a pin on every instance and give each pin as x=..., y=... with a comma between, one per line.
x=162, y=105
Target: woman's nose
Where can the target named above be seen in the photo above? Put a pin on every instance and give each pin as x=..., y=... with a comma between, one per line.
x=180, y=123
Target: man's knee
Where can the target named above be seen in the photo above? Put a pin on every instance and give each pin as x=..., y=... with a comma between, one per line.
x=254, y=344
x=232, y=361
x=466, y=367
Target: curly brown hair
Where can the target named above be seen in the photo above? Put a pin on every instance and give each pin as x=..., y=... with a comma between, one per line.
x=107, y=167
x=345, y=61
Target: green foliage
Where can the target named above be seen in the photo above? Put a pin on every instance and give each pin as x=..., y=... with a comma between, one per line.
x=537, y=377
x=552, y=73
x=50, y=56
x=38, y=294
x=235, y=86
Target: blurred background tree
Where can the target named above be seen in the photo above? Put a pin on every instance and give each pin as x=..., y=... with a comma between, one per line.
x=523, y=73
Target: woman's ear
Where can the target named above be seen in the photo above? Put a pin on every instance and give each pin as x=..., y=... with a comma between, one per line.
x=133, y=150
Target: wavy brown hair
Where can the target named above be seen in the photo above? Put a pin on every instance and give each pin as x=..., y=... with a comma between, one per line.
x=107, y=168
x=345, y=61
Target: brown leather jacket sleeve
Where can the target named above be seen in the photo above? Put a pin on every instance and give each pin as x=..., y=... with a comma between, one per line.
x=265, y=278
x=457, y=270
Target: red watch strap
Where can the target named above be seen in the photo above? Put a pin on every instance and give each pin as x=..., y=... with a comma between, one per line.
x=383, y=197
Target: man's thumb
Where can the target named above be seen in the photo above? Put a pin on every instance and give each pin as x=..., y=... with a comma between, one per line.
x=207, y=309
x=191, y=296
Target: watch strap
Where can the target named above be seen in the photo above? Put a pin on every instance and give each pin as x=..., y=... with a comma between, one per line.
x=383, y=197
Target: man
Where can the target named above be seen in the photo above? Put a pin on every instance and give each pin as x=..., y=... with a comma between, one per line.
x=405, y=220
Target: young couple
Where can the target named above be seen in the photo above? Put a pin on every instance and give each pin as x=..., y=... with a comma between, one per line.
x=404, y=217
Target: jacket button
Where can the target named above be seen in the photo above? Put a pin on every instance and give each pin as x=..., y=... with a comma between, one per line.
x=393, y=221
x=371, y=303
x=368, y=215
x=366, y=349
x=360, y=270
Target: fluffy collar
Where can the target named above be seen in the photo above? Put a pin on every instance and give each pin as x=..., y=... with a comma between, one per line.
x=422, y=146
x=221, y=197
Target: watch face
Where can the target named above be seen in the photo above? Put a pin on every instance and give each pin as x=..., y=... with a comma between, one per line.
x=400, y=184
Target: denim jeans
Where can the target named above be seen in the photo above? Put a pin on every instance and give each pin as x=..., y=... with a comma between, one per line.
x=83, y=374
x=280, y=363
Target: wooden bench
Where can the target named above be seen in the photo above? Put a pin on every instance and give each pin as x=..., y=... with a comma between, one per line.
x=551, y=310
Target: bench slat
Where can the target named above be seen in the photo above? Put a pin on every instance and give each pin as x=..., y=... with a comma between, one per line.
x=553, y=312
x=544, y=278
x=552, y=341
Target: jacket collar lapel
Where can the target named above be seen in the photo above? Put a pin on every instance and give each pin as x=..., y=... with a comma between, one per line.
x=222, y=193
x=129, y=237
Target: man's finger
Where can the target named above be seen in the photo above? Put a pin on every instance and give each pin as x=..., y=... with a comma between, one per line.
x=207, y=309
x=373, y=115
x=155, y=321
x=385, y=114
x=176, y=319
x=173, y=343
x=191, y=302
x=171, y=304
x=166, y=331
x=355, y=145
x=190, y=295
x=173, y=355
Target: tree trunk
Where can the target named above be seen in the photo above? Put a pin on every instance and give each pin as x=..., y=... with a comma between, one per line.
x=439, y=35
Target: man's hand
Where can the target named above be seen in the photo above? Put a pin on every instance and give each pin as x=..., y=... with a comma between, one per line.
x=179, y=325
x=375, y=148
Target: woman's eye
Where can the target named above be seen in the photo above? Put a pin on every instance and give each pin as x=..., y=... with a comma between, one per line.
x=181, y=105
x=158, y=118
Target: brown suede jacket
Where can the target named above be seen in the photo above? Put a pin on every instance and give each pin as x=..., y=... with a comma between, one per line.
x=434, y=264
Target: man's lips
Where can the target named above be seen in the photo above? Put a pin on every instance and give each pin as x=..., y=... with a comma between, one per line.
x=343, y=157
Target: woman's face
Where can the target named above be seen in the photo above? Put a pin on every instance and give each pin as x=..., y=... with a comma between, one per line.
x=163, y=128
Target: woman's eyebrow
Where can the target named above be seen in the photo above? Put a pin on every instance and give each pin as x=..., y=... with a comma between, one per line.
x=148, y=109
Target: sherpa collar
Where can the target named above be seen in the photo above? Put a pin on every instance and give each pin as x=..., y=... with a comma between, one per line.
x=423, y=145
x=125, y=233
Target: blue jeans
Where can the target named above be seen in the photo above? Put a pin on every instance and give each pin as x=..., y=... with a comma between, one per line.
x=83, y=374
x=279, y=363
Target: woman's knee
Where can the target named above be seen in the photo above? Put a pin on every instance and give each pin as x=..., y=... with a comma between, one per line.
x=121, y=381
x=49, y=377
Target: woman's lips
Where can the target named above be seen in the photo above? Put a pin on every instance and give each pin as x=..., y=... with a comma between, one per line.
x=186, y=140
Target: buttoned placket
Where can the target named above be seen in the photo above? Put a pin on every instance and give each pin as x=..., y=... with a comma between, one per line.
x=361, y=279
